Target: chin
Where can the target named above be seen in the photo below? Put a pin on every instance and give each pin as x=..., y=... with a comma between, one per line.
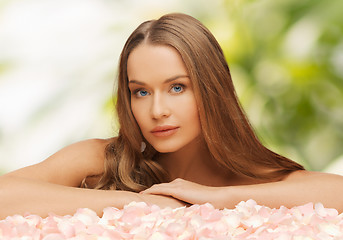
x=166, y=149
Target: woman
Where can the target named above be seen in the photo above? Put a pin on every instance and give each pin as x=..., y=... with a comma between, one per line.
x=183, y=139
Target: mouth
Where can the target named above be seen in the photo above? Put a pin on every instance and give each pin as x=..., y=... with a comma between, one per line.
x=164, y=131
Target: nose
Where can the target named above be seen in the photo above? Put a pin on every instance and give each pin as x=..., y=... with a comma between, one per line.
x=159, y=107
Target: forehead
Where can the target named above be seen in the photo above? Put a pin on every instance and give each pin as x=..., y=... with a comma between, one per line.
x=149, y=61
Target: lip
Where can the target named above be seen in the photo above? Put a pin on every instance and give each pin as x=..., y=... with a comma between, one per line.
x=164, y=131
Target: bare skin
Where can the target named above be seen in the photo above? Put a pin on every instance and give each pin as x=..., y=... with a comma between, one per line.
x=162, y=95
x=53, y=185
x=198, y=179
x=46, y=190
x=298, y=188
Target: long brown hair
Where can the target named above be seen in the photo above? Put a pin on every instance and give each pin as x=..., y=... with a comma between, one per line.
x=225, y=127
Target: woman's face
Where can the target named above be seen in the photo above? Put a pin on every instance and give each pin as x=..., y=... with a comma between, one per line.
x=162, y=98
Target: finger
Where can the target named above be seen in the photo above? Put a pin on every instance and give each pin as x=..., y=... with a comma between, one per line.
x=158, y=190
x=163, y=189
x=158, y=186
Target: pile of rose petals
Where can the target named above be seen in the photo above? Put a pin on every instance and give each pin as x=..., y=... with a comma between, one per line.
x=140, y=221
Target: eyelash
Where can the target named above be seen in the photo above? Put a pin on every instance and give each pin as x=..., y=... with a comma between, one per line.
x=136, y=91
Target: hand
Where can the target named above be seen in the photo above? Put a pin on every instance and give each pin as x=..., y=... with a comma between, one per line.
x=161, y=201
x=190, y=192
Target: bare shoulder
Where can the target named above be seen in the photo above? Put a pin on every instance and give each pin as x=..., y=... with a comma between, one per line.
x=303, y=174
x=70, y=165
x=89, y=152
x=92, y=149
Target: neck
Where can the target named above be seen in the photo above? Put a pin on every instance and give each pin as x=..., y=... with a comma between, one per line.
x=194, y=163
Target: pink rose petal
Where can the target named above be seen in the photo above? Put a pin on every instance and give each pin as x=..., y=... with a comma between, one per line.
x=141, y=221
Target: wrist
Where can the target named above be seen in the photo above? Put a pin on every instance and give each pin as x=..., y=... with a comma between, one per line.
x=228, y=198
x=126, y=197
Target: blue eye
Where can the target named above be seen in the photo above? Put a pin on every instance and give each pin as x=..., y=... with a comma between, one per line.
x=142, y=93
x=178, y=88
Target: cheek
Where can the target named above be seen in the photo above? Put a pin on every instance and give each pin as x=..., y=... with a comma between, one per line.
x=139, y=113
x=136, y=113
x=188, y=110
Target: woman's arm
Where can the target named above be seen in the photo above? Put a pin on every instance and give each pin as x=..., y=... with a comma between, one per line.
x=20, y=196
x=297, y=189
x=52, y=185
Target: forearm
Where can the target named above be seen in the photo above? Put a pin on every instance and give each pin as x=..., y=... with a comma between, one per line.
x=324, y=188
x=19, y=195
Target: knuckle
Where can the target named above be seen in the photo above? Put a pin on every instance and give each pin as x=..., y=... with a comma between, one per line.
x=178, y=180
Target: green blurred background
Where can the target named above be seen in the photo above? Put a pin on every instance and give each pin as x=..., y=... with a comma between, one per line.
x=58, y=62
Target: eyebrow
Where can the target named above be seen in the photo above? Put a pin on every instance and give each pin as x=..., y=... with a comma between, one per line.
x=166, y=81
